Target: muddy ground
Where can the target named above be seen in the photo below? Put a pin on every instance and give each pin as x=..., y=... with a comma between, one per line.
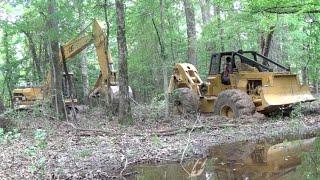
x=96, y=146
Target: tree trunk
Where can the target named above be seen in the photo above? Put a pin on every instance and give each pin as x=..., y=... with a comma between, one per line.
x=317, y=85
x=8, y=70
x=46, y=61
x=304, y=75
x=262, y=43
x=265, y=44
x=57, y=95
x=163, y=55
x=106, y=2
x=164, y=59
x=268, y=41
x=205, y=11
x=191, y=31
x=84, y=74
x=84, y=60
x=221, y=30
x=124, y=99
x=35, y=57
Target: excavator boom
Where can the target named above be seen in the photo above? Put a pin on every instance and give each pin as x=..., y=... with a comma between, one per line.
x=97, y=36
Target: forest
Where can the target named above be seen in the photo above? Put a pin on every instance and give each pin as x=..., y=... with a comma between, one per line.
x=159, y=89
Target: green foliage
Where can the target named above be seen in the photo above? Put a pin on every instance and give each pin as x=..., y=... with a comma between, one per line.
x=240, y=25
x=276, y=117
x=35, y=153
x=156, y=141
x=9, y=137
x=85, y=153
x=40, y=137
x=297, y=111
x=312, y=159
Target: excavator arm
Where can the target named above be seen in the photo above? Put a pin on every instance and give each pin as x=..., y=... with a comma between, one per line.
x=107, y=76
x=74, y=46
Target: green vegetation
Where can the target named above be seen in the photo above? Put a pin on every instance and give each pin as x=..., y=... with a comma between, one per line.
x=312, y=160
x=228, y=25
x=158, y=34
x=35, y=153
x=9, y=137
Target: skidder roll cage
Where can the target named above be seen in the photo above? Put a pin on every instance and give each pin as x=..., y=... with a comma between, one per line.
x=248, y=57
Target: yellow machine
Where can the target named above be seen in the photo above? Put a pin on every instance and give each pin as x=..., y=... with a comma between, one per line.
x=106, y=84
x=24, y=92
x=254, y=83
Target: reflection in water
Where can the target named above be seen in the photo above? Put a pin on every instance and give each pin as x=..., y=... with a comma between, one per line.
x=244, y=160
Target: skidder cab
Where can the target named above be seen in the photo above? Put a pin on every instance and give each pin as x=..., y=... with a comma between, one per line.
x=239, y=83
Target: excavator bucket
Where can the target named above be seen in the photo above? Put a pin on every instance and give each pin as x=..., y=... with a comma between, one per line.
x=114, y=94
x=285, y=90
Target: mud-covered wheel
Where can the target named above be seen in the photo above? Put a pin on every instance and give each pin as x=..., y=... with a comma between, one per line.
x=234, y=103
x=184, y=100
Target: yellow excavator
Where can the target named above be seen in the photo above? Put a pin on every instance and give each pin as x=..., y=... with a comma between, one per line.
x=105, y=86
x=239, y=84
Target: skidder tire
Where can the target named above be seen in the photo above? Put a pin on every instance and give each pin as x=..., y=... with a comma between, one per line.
x=234, y=103
x=184, y=100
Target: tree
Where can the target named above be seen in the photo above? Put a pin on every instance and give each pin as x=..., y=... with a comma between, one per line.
x=191, y=31
x=53, y=32
x=124, y=98
x=8, y=68
x=33, y=51
x=84, y=59
x=265, y=43
x=205, y=11
x=217, y=13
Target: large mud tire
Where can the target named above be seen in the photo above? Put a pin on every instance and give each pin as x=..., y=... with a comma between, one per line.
x=234, y=103
x=184, y=100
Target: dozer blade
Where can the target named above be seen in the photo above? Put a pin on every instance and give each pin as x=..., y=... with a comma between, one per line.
x=286, y=90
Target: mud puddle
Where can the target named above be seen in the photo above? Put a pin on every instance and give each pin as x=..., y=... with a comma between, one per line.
x=242, y=160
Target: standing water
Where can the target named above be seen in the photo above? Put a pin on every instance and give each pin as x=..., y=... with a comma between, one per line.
x=243, y=160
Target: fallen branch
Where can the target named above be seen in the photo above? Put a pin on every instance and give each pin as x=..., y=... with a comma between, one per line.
x=103, y=132
x=124, y=168
x=151, y=161
x=167, y=132
x=188, y=142
x=225, y=125
x=175, y=131
x=105, y=175
x=134, y=101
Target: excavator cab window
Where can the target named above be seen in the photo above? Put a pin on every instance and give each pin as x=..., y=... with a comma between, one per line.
x=215, y=64
x=65, y=85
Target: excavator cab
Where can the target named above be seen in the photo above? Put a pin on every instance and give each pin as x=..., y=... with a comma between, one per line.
x=69, y=97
